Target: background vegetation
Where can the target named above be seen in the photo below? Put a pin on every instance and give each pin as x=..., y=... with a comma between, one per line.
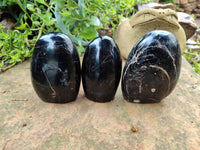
x=81, y=20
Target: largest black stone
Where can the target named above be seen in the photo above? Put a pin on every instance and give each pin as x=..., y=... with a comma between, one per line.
x=152, y=68
x=55, y=69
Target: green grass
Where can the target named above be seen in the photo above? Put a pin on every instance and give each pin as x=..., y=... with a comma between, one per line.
x=191, y=56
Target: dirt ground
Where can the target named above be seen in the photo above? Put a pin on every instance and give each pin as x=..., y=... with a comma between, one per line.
x=28, y=123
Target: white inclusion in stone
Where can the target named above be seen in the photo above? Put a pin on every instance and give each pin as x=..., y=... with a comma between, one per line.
x=136, y=101
x=153, y=90
x=140, y=86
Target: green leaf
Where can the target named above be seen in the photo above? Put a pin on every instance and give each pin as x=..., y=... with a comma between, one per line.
x=1, y=64
x=31, y=7
x=52, y=21
x=81, y=8
x=95, y=21
x=89, y=33
x=3, y=35
x=37, y=23
x=47, y=18
x=1, y=44
x=65, y=13
x=80, y=49
x=21, y=27
x=41, y=2
x=76, y=16
x=72, y=4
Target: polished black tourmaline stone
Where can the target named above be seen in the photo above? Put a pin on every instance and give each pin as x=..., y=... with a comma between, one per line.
x=55, y=69
x=101, y=69
x=152, y=68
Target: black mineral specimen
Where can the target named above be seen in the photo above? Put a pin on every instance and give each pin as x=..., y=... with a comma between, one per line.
x=101, y=69
x=152, y=68
x=55, y=69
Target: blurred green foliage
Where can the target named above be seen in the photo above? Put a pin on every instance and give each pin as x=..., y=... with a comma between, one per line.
x=194, y=58
x=14, y=47
x=78, y=19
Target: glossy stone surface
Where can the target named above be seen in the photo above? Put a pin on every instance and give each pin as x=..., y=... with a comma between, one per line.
x=55, y=69
x=152, y=68
x=101, y=69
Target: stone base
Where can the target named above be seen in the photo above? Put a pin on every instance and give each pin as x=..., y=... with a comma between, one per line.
x=29, y=123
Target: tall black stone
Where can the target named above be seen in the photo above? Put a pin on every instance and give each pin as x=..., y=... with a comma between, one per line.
x=101, y=69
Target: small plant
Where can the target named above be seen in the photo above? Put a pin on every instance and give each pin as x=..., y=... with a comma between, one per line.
x=14, y=47
x=194, y=59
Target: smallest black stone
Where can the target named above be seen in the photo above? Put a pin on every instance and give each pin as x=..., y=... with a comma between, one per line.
x=101, y=69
